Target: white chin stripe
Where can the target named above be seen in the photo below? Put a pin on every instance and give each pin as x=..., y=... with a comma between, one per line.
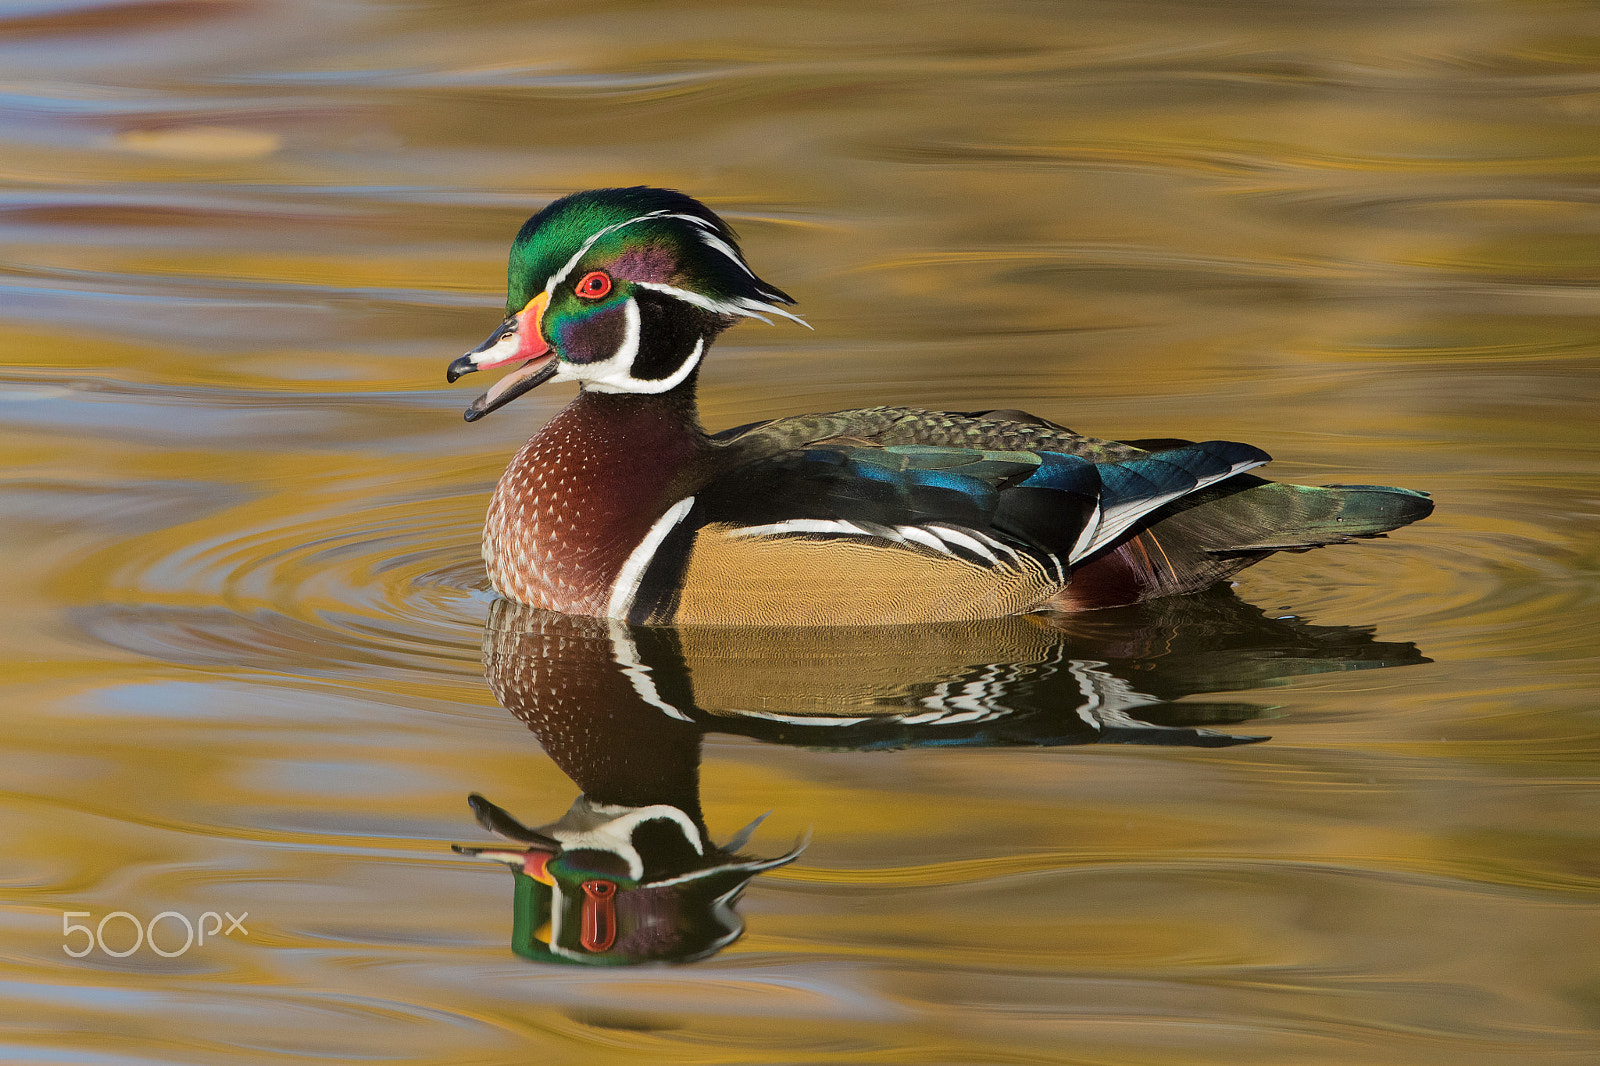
x=615, y=834
x=616, y=373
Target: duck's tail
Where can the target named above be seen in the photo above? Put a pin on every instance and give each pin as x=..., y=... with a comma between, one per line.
x=1204, y=538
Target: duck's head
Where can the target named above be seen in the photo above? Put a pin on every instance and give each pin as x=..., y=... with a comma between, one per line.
x=620, y=290
x=611, y=885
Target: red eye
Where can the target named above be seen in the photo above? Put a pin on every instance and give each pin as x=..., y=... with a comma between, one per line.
x=594, y=285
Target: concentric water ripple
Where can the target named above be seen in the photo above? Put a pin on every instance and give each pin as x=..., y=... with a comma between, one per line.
x=395, y=584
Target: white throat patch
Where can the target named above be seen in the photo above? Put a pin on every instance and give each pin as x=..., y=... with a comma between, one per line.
x=615, y=374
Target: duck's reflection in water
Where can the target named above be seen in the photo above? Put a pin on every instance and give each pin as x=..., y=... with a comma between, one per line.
x=630, y=873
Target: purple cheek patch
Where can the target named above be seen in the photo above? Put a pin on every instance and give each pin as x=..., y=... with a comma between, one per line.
x=593, y=336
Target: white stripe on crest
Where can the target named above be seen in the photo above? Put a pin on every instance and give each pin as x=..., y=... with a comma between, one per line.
x=561, y=275
x=742, y=306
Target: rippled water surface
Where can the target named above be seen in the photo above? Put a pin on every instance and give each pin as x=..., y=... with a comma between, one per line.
x=245, y=618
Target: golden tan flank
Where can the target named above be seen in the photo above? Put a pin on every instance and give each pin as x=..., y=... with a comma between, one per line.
x=801, y=581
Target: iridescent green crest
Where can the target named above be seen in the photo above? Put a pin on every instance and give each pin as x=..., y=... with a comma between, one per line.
x=656, y=237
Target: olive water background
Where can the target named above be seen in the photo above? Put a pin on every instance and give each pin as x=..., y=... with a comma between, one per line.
x=243, y=605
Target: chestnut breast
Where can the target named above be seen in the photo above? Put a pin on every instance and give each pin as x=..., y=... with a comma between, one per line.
x=579, y=496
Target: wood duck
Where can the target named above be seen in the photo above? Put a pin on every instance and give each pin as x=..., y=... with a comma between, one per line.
x=623, y=507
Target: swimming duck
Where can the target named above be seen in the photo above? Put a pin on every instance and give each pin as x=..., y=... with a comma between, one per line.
x=623, y=507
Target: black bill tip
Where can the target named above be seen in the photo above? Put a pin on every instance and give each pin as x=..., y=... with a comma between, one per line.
x=460, y=367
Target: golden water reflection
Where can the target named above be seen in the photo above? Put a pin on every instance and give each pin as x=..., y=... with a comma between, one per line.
x=239, y=518
x=630, y=873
